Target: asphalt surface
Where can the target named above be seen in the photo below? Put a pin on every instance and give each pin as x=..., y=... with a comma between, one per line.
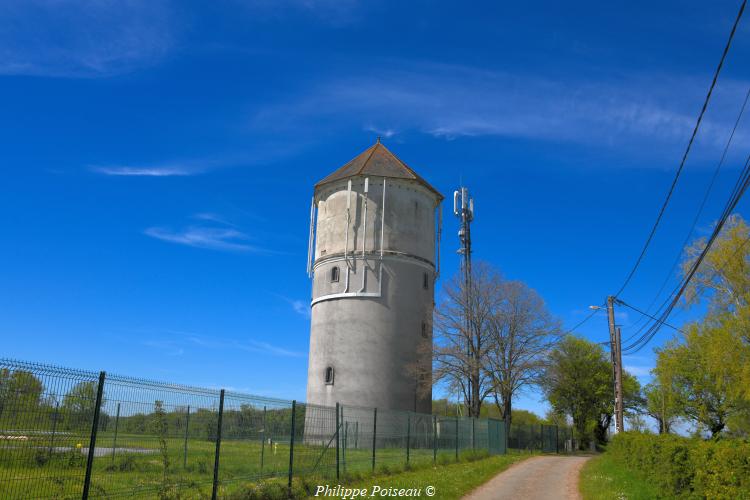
x=537, y=478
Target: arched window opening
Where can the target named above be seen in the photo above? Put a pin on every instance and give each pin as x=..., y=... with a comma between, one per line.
x=335, y=274
x=425, y=281
x=329, y=375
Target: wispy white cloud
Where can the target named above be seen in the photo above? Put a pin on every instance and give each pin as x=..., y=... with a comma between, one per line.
x=333, y=12
x=266, y=348
x=187, y=340
x=213, y=238
x=220, y=235
x=640, y=371
x=77, y=38
x=171, y=347
x=211, y=217
x=455, y=101
x=298, y=306
x=301, y=308
x=145, y=171
x=382, y=132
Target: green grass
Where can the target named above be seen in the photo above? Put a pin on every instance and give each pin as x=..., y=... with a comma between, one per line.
x=29, y=470
x=450, y=481
x=604, y=478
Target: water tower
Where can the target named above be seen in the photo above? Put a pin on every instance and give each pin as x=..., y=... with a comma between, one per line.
x=373, y=258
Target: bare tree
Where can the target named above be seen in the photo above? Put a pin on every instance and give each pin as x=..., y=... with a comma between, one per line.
x=461, y=335
x=521, y=333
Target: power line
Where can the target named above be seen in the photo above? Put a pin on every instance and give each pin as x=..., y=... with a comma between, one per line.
x=740, y=186
x=687, y=150
x=739, y=189
x=703, y=203
x=621, y=302
x=692, y=228
x=591, y=315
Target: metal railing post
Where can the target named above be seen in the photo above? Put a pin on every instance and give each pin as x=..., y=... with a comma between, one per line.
x=434, y=439
x=456, y=439
x=408, y=436
x=345, y=445
x=263, y=442
x=473, y=435
x=541, y=437
x=114, y=439
x=218, y=446
x=374, y=436
x=54, y=427
x=291, y=444
x=92, y=440
x=338, y=426
x=185, y=446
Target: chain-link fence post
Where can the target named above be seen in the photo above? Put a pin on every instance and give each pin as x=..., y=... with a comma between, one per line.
x=374, y=435
x=185, y=446
x=456, y=439
x=291, y=444
x=434, y=439
x=408, y=436
x=345, y=444
x=541, y=437
x=92, y=440
x=473, y=435
x=263, y=441
x=114, y=439
x=338, y=426
x=54, y=428
x=218, y=446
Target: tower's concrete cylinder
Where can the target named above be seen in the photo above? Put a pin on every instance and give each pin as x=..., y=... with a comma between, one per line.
x=373, y=264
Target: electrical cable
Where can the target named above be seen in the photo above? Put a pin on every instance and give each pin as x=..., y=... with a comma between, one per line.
x=687, y=150
x=739, y=189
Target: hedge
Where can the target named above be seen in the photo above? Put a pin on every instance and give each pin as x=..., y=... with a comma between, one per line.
x=687, y=467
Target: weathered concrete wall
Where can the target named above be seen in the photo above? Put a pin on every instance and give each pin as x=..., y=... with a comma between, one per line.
x=375, y=341
x=409, y=218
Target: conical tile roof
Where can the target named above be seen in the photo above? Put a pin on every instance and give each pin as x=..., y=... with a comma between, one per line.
x=377, y=161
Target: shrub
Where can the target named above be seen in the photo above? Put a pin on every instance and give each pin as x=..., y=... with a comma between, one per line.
x=687, y=467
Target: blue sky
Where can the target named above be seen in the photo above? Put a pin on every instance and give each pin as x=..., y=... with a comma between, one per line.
x=158, y=157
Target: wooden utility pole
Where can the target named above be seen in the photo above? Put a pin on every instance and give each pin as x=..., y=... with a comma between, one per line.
x=614, y=342
x=618, y=383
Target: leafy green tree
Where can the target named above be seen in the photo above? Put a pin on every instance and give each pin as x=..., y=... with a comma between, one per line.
x=724, y=275
x=78, y=405
x=20, y=395
x=578, y=382
x=661, y=404
x=707, y=372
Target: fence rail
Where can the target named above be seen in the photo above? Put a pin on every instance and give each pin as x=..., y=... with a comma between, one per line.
x=76, y=434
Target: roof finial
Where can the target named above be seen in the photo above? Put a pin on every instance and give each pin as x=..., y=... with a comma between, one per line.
x=378, y=141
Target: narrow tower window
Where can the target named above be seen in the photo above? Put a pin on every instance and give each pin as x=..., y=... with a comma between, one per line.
x=335, y=274
x=329, y=375
x=424, y=330
x=425, y=283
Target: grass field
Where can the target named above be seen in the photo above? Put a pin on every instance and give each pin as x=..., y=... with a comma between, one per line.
x=604, y=479
x=144, y=467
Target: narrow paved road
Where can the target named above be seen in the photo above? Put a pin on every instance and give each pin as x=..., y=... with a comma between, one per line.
x=538, y=478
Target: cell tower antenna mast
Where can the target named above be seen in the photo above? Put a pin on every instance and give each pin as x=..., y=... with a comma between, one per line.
x=463, y=208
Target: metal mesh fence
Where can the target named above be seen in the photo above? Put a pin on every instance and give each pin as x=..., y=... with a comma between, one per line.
x=76, y=434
